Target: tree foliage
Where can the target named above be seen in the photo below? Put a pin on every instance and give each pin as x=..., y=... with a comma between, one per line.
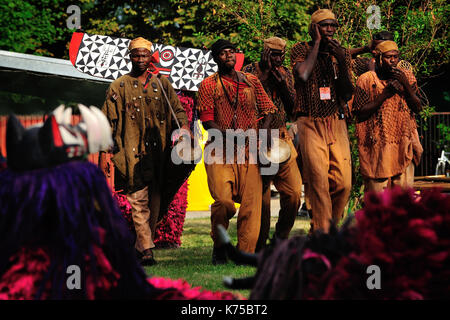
x=34, y=26
x=419, y=27
x=39, y=27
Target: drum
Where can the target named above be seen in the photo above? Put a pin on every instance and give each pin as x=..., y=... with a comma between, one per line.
x=279, y=153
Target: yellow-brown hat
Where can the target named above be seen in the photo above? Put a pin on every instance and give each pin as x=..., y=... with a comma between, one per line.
x=140, y=43
x=275, y=43
x=322, y=14
x=386, y=46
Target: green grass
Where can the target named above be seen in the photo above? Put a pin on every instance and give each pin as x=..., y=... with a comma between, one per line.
x=192, y=261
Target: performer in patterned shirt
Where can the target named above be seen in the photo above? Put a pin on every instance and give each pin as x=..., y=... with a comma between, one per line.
x=278, y=82
x=361, y=65
x=385, y=103
x=323, y=83
x=234, y=100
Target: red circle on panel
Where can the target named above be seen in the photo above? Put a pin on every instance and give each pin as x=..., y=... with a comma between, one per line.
x=167, y=55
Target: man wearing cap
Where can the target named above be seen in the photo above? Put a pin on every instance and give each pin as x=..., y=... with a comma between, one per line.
x=230, y=99
x=384, y=104
x=361, y=65
x=278, y=83
x=323, y=84
x=142, y=125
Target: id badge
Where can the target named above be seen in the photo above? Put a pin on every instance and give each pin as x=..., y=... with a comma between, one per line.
x=325, y=93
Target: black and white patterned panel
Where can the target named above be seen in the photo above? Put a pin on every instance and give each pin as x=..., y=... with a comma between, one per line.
x=108, y=58
x=103, y=56
x=191, y=66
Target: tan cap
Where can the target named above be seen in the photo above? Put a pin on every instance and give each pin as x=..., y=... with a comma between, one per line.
x=140, y=43
x=322, y=14
x=386, y=46
x=275, y=43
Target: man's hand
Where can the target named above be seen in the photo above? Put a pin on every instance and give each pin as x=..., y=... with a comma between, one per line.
x=279, y=77
x=314, y=32
x=336, y=50
x=392, y=88
x=400, y=76
x=265, y=64
x=186, y=127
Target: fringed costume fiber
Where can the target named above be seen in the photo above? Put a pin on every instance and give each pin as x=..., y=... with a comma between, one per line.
x=68, y=215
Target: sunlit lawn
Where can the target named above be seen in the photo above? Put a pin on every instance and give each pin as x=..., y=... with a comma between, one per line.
x=192, y=261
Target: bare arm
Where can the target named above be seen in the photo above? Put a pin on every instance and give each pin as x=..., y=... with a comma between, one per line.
x=305, y=68
x=344, y=81
x=357, y=51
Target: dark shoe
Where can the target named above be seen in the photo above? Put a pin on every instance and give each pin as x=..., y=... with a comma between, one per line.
x=147, y=258
x=303, y=211
x=219, y=256
x=138, y=254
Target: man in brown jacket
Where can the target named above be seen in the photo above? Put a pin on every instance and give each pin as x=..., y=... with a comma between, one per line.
x=142, y=125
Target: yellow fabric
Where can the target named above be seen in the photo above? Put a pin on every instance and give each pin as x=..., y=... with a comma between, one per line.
x=198, y=197
x=275, y=43
x=322, y=14
x=140, y=43
x=386, y=46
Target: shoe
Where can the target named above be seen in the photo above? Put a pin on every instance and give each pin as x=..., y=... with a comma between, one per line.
x=138, y=254
x=147, y=258
x=219, y=256
x=303, y=211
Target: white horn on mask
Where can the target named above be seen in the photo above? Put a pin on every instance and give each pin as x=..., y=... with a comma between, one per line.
x=106, y=141
x=91, y=125
x=67, y=119
x=59, y=114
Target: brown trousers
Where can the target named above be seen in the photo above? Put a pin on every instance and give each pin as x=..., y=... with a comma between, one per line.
x=404, y=180
x=288, y=182
x=230, y=183
x=326, y=167
x=145, y=215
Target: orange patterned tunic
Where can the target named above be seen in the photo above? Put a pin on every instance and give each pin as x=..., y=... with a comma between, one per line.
x=385, y=140
x=253, y=102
